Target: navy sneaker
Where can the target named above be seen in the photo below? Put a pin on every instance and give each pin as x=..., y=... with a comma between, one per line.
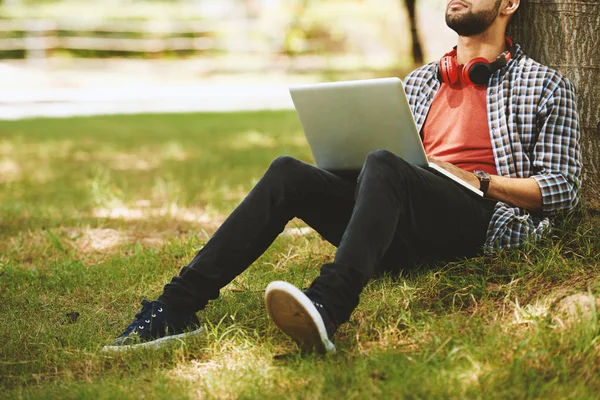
x=154, y=326
x=305, y=320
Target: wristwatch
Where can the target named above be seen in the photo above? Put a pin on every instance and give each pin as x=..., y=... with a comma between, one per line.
x=484, y=180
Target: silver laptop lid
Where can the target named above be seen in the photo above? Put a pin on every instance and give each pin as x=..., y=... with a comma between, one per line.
x=344, y=121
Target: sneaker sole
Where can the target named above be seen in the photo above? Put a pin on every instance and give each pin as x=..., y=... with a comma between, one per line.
x=154, y=343
x=297, y=317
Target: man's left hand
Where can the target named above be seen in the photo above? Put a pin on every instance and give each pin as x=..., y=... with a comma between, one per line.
x=520, y=192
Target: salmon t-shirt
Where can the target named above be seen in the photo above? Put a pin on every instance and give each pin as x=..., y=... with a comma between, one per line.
x=456, y=129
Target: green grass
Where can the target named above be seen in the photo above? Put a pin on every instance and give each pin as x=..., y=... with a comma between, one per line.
x=98, y=213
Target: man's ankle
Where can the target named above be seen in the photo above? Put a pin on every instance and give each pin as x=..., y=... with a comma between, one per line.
x=322, y=307
x=175, y=306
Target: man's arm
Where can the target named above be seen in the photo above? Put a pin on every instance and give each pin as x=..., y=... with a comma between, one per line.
x=556, y=157
x=520, y=192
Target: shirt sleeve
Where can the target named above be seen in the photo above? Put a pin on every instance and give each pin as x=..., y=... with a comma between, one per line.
x=557, y=155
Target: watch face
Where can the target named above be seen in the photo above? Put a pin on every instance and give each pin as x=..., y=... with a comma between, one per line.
x=482, y=175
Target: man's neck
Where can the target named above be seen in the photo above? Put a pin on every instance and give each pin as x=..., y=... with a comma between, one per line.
x=486, y=45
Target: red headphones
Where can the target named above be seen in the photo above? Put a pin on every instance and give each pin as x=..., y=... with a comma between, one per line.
x=477, y=71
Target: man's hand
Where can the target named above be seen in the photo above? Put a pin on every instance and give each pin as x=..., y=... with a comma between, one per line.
x=519, y=192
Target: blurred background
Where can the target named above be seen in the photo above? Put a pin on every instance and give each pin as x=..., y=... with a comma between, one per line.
x=64, y=58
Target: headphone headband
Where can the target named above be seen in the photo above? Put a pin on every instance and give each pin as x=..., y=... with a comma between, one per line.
x=476, y=71
x=505, y=57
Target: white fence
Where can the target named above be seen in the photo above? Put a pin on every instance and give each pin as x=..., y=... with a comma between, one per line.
x=38, y=39
x=42, y=36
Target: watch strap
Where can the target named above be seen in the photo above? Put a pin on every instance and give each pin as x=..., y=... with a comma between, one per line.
x=484, y=185
x=484, y=180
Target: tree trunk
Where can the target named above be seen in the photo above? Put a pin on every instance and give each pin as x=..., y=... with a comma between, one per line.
x=565, y=35
x=417, y=50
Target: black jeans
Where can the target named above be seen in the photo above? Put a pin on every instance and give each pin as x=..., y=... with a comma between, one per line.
x=393, y=216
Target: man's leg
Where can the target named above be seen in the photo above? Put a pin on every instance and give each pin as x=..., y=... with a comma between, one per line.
x=289, y=188
x=402, y=214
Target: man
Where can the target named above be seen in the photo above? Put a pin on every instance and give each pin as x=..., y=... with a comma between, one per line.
x=487, y=113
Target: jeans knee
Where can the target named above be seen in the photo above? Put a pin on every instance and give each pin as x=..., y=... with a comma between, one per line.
x=385, y=166
x=283, y=163
x=388, y=161
x=284, y=169
x=380, y=156
x=383, y=162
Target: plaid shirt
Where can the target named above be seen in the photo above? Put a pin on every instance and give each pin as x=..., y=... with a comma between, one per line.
x=534, y=129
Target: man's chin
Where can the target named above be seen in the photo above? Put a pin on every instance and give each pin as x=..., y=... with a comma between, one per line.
x=454, y=23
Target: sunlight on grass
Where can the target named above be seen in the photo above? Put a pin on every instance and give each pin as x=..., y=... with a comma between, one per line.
x=216, y=189
x=142, y=159
x=46, y=150
x=10, y=171
x=6, y=147
x=103, y=190
x=228, y=373
x=165, y=190
x=206, y=219
x=30, y=249
x=298, y=231
x=125, y=162
x=470, y=376
x=576, y=309
x=562, y=309
x=86, y=240
x=253, y=139
x=172, y=150
x=96, y=239
x=530, y=313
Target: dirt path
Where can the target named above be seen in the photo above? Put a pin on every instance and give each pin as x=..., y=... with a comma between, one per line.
x=133, y=86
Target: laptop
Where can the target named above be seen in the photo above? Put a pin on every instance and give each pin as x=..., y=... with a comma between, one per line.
x=344, y=121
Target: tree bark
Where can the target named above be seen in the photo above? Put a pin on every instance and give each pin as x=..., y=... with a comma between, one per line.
x=417, y=49
x=565, y=35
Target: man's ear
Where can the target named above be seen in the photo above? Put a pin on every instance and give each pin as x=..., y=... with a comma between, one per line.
x=510, y=7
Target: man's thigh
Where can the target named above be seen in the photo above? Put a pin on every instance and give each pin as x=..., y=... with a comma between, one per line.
x=440, y=221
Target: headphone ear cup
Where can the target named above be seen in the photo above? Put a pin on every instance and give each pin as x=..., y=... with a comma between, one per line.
x=448, y=70
x=476, y=71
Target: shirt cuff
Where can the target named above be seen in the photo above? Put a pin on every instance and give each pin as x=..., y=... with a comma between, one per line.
x=557, y=192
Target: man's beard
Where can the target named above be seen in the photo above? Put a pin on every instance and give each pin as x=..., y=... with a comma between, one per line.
x=470, y=24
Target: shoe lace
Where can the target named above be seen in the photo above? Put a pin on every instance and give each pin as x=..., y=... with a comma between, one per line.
x=146, y=306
